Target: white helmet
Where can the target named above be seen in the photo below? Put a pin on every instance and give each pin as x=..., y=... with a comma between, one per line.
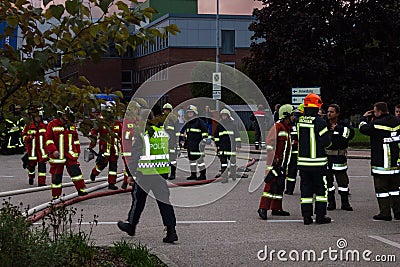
x=167, y=106
x=192, y=109
x=225, y=111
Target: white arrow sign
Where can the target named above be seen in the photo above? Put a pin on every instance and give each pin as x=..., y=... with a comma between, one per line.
x=306, y=91
x=298, y=99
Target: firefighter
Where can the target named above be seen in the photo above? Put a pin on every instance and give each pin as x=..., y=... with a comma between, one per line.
x=312, y=161
x=128, y=131
x=397, y=110
x=12, y=135
x=384, y=132
x=341, y=133
x=109, y=136
x=63, y=148
x=150, y=165
x=275, y=174
x=292, y=168
x=228, y=142
x=172, y=127
x=260, y=126
x=34, y=137
x=196, y=135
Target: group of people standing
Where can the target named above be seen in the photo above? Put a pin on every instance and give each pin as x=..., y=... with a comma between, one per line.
x=317, y=147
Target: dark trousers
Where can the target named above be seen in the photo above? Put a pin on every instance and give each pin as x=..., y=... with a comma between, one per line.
x=224, y=165
x=387, y=189
x=291, y=174
x=140, y=190
x=342, y=180
x=312, y=182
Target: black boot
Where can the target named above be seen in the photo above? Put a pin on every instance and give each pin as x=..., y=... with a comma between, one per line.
x=323, y=219
x=171, y=235
x=192, y=176
x=112, y=187
x=173, y=171
x=124, y=185
x=307, y=220
x=345, y=201
x=381, y=217
x=202, y=175
x=331, y=201
x=262, y=213
x=130, y=229
x=82, y=192
x=92, y=177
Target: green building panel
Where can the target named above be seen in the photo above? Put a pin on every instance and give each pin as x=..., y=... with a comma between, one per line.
x=171, y=6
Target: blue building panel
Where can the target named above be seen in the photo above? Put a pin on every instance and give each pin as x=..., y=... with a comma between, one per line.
x=10, y=40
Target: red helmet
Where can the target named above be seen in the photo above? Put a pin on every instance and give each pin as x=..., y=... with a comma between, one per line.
x=312, y=101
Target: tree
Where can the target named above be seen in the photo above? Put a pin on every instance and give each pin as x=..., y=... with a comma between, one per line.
x=68, y=33
x=349, y=48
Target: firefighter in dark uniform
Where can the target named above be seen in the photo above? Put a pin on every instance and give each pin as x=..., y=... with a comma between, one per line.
x=278, y=158
x=196, y=134
x=341, y=133
x=312, y=161
x=150, y=165
x=384, y=132
x=12, y=135
x=292, y=168
x=34, y=136
x=227, y=140
x=260, y=127
x=171, y=126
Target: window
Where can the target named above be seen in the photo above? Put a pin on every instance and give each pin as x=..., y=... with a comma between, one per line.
x=228, y=42
x=126, y=84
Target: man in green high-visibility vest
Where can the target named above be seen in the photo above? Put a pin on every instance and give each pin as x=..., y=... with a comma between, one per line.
x=150, y=165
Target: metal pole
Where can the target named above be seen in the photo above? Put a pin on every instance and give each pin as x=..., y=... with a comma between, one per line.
x=217, y=47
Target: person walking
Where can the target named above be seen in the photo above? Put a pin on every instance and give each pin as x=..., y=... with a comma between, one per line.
x=228, y=142
x=341, y=133
x=150, y=165
x=34, y=136
x=109, y=135
x=196, y=134
x=279, y=157
x=312, y=161
x=384, y=132
x=63, y=148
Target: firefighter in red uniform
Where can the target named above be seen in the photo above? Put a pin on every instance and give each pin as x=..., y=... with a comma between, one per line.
x=109, y=147
x=34, y=136
x=275, y=178
x=63, y=148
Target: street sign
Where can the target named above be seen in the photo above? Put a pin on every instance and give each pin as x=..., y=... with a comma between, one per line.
x=298, y=99
x=216, y=80
x=306, y=91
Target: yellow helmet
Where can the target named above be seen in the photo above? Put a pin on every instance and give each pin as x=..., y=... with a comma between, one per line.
x=285, y=111
x=167, y=106
x=225, y=111
x=192, y=108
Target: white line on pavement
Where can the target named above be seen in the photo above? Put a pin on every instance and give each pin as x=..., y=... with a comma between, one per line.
x=286, y=221
x=178, y=222
x=386, y=241
x=6, y=176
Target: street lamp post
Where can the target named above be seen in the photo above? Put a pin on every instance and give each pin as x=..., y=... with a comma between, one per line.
x=217, y=48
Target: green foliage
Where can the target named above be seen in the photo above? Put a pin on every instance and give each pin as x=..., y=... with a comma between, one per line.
x=67, y=34
x=135, y=254
x=351, y=49
x=24, y=244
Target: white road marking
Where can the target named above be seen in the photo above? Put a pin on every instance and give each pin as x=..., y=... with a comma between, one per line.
x=6, y=176
x=286, y=221
x=386, y=241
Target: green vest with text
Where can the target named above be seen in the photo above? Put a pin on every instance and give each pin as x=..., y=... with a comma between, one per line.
x=155, y=157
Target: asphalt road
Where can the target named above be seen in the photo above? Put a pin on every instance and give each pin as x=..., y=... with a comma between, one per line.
x=218, y=224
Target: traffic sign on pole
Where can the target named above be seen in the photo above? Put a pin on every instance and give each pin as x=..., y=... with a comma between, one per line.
x=298, y=99
x=216, y=80
x=306, y=91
